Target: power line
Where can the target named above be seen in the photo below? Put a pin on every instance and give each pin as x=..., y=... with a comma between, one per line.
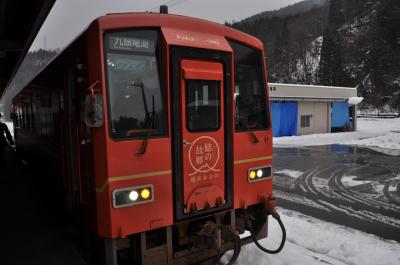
x=157, y=6
x=181, y=2
x=171, y=3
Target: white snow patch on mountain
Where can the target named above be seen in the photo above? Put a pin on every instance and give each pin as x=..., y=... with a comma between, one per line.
x=310, y=62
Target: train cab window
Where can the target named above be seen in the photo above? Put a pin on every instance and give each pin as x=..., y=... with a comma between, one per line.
x=202, y=105
x=251, y=112
x=135, y=91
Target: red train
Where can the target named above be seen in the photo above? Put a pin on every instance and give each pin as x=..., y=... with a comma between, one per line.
x=158, y=127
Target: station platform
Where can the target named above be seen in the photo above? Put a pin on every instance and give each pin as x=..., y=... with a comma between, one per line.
x=34, y=232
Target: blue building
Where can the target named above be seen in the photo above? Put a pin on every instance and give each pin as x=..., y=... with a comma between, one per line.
x=306, y=109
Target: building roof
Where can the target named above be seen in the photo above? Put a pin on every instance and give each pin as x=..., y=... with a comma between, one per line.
x=297, y=92
x=20, y=20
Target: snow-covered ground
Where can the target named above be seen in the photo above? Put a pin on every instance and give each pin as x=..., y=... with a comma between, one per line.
x=291, y=173
x=312, y=241
x=378, y=133
x=351, y=181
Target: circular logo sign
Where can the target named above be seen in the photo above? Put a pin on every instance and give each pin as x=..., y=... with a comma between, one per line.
x=204, y=155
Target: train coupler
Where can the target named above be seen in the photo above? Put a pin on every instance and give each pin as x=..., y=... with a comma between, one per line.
x=269, y=204
x=216, y=236
x=209, y=236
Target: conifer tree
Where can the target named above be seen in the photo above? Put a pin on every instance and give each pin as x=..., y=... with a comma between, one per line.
x=331, y=71
x=282, y=58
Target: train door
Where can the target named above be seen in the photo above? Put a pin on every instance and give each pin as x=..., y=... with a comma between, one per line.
x=202, y=125
x=202, y=135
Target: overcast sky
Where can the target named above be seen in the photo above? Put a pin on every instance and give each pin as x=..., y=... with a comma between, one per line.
x=69, y=17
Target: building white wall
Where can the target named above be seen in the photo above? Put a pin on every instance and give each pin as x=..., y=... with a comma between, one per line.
x=320, y=117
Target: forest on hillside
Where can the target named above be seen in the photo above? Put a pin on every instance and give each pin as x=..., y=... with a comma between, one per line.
x=334, y=42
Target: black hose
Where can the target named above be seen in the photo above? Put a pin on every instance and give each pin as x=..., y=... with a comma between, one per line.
x=236, y=252
x=254, y=237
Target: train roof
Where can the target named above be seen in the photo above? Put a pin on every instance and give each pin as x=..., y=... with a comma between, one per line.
x=173, y=24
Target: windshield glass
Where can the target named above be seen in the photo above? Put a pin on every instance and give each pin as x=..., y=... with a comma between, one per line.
x=136, y=105
x=251, y=112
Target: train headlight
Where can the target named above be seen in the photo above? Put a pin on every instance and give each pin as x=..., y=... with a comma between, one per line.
x=259, y=173
x=145, y=193
x=134, y=195
x=125, y=197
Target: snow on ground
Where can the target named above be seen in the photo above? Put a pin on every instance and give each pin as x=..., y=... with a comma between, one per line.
x=389, y=141
x=351, y=181
x=378, y=188
x=290, y=173
x=312, y=241
x=393, y=187
x=379, y=133
x=292, y=197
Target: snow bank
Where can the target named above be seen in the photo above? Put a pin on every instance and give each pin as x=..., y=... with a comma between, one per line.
x=312, y=241
x=382, y=133
x=389, y=141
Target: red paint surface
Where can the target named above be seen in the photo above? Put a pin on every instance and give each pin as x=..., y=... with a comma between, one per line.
x=204, y=155
x=118, y=158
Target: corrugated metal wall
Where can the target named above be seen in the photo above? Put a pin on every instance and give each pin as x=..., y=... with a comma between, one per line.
x=319, y=117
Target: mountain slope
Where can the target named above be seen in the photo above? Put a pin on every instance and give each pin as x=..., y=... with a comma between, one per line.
x=289, y=41
x=334, y=42
x=290, y=10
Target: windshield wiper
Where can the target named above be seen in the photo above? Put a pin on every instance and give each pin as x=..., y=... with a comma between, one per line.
x=149, y=125
x=149, y=122
x=250, y=130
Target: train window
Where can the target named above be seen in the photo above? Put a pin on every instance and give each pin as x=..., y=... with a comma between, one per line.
x=136, y=97
x=202, y=105
x=251, y=112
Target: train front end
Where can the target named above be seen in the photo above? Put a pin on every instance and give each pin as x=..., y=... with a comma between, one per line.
x=181, y=135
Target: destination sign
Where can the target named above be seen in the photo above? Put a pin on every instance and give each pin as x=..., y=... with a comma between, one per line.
x=128, y=65
x=130, y=44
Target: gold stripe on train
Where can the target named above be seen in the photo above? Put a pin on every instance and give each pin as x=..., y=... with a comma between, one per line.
x=249, y=160
x=136, y=176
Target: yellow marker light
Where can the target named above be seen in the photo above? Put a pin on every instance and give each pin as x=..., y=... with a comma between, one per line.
x=145, y=194
x=259, y=173
x=252, y=174
x=133, y=195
